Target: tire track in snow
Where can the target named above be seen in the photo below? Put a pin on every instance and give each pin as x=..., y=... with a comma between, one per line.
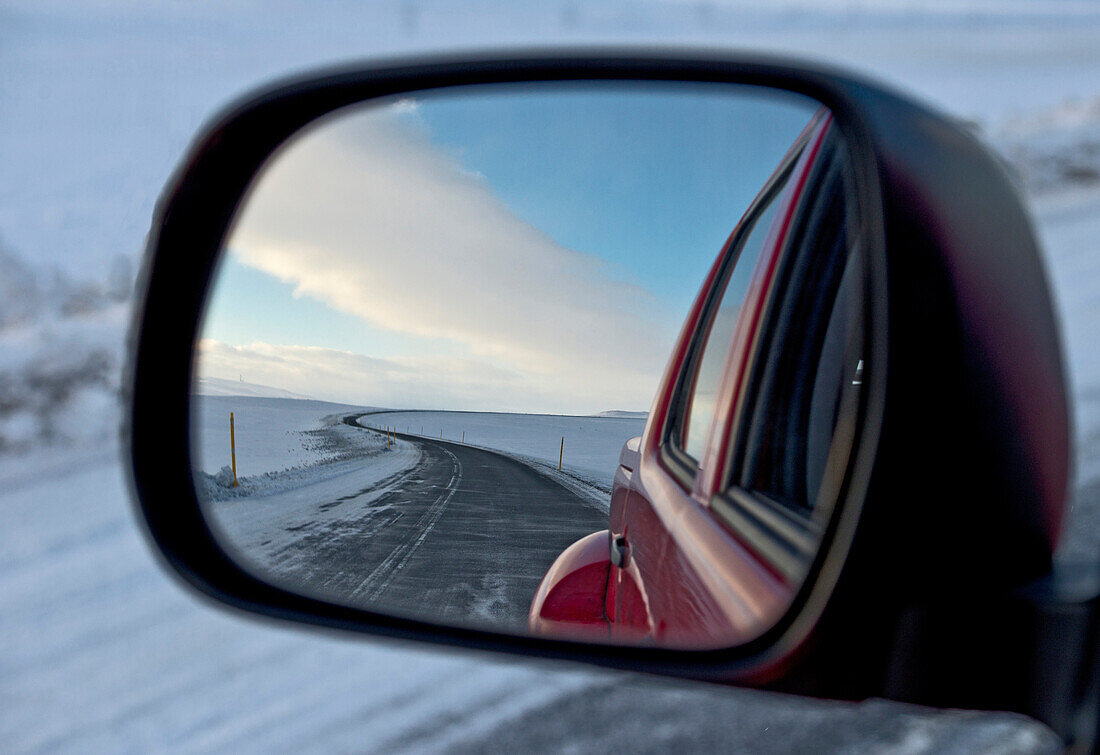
x=375, y=583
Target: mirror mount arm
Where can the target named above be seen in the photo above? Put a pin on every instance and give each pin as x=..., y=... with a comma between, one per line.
x=1035, y=651
x=1062, y=611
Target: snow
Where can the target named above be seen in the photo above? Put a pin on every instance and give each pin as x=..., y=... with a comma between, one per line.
x=100, y=650
x=591, y=444
x=284, y=444
x=250, y=523
x=60, y=377
x=1056, y=149
x=1069, y=230
x=272, y=434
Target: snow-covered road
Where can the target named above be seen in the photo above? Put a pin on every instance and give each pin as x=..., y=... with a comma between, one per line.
x=100, y=651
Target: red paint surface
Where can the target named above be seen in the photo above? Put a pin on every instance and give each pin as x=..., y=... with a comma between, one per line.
x=570, y=599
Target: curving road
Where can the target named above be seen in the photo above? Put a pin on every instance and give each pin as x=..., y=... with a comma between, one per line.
x=462, y=537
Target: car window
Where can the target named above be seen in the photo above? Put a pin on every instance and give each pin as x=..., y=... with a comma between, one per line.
x=704, y=391
x=813, y=363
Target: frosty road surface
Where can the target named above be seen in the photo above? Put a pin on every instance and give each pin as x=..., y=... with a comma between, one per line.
x=431, y=528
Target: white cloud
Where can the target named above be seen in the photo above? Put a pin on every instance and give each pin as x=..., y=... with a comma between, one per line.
x=364, y=214
x=398, y=382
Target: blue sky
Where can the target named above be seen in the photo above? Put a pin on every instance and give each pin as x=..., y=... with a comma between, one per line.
x=645, y=182
x=651, y=178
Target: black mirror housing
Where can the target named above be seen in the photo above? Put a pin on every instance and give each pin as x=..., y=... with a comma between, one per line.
x=961, y=467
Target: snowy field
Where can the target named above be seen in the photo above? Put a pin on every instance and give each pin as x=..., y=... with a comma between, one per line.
x=272, y=434
x=100, y=651
x=591, y=444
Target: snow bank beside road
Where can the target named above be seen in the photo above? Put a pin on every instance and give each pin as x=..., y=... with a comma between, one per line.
x=282, y=444
x=272, y=434
x=261, y=526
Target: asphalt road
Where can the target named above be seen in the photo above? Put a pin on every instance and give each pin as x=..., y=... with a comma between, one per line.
x=463, y=537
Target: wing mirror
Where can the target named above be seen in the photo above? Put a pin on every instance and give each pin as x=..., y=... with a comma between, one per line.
x=724, y=368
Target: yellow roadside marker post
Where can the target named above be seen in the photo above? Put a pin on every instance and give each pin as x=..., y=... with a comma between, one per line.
x=233, y=448
x=561, y=452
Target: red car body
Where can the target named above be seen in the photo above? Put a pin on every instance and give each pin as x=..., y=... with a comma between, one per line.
x=668, y=570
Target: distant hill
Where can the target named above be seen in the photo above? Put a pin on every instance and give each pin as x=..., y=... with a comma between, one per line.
x=620, y=414
x=223, y=387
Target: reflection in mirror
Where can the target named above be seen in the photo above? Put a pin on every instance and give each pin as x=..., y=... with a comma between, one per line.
x=439, y=318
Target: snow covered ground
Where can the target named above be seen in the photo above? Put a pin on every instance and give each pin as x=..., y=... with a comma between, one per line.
x=590, y=451
x=249, y=520
x=273, y=434
x=100, y=650
x=1069, y=230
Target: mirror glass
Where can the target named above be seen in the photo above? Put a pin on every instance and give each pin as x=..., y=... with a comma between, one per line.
x=444, y=371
